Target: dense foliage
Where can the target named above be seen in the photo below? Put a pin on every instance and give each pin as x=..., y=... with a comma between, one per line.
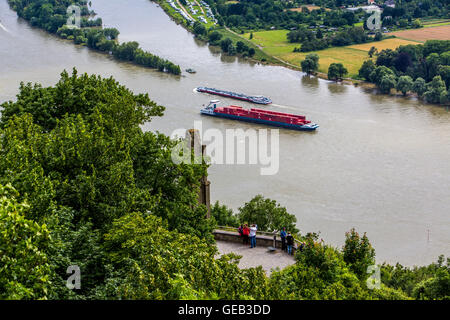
x=51, y=15
x=76, y=154
x=423, y=69
x=215, y=38
x=82, y=184
x=310, y=64
x=223, y=215
x=427, y=282
x=321, y=272
x=336, y=71
x=312, y=41
x=24, y=267
x=266, y=14
x=409, y=9
x=267, y=214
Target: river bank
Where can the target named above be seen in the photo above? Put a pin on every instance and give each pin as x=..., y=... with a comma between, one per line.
x=93, y=35
x=260, y=56
x=378, y=163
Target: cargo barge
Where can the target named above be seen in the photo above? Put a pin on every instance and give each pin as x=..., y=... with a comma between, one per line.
x=234, y=95
x=260, y=116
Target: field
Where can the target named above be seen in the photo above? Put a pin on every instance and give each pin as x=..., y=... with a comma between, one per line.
x=430, y=33
x=435, y=22
x=275, y=43
x=259, y=54
x=385, y=44
x=310, y=8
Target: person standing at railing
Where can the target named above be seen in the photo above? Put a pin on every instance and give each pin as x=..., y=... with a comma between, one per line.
x=245, y=233
x=289, y=242
x=253, y=229
x=283, y=239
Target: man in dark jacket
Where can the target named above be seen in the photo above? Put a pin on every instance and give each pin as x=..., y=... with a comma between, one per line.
x=283, y=239
x=289, y=242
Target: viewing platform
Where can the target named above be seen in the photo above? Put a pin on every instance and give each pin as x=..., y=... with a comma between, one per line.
x=231, y=242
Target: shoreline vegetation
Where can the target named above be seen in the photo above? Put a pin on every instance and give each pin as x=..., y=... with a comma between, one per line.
x=52, y=16
x=343, y=53
x=81, y=184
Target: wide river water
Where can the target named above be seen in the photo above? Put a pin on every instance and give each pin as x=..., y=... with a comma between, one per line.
x=378, y=163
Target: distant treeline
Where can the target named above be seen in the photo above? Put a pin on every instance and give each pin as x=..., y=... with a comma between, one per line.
x=227, y=45
x=265, y=14
x=312, y=41
x=410, y=9
x=51, y=15
x=422, y=69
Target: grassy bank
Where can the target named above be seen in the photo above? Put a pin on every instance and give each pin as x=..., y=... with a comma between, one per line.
x=260, y=55
x=275, y=44
x=272, y=47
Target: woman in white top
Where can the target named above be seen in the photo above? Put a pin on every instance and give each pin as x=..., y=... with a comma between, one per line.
x=253, y=229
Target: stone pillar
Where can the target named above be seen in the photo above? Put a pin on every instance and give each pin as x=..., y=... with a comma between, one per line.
x=193, y=138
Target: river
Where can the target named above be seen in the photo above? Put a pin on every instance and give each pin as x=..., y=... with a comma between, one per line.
x=378, y=163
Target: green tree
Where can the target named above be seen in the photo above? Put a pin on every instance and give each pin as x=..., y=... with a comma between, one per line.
x=81, y=160
x=387, y=83
x=404, y=84
x=373, y=50
x=311, y=63
x=241, y=47
x=419, y=86
x=231, y=49
x=379, y=73
x=152, y=263
x=424, y=282
x=320, y=273
x=445, y=58
x=214, y=37
x=84, y=95
x=223, y=215
x=199, y=29
x=225, y=44
x=267, y=214
x=378, y=36
x=432, y=62
x=444, y=72
x=436, y=287
x=366, y=69
x=417, y=23
x=358, y=253
x=435, y=89
x=24, y=268
x=336, y=71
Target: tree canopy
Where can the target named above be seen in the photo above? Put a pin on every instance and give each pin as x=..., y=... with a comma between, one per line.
x=82, y=185
x=422, y=69
x=52, y=16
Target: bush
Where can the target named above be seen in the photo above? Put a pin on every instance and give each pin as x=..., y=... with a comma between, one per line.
x=267, y=214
